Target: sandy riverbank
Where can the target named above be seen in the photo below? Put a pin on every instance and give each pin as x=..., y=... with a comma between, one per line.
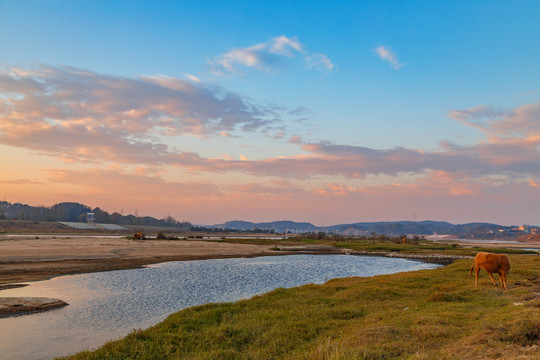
x=29, y=259
x=37, y=257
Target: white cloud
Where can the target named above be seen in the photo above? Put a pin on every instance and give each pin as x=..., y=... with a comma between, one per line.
x=193, y=78
x=320, y=62
x=388, y=55
x=249, y=57
x=285, y=46
x=267, y=56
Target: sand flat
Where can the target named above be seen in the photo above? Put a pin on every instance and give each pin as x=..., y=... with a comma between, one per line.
x=27, y=258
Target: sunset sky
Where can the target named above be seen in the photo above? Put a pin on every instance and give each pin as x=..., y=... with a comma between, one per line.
x=328, y=112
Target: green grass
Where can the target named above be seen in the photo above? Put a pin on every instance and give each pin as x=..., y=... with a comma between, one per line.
x=383, y=244
x=428, y=314
x=422, y=247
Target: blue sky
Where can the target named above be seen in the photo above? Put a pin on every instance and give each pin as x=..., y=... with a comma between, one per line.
x=444, y=78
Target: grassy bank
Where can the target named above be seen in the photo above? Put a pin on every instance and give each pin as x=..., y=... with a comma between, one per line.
x=420, y=247
x=429, y=314
x=378, y=244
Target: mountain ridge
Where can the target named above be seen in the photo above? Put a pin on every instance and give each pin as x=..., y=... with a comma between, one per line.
x=425, y=227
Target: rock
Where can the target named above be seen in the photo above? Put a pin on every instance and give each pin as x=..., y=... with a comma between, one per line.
x=15, y=306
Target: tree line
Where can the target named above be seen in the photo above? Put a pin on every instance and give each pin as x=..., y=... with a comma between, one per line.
x=76, y=212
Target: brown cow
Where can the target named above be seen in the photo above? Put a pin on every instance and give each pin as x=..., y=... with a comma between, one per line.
x=492, y=263
x=139, y=236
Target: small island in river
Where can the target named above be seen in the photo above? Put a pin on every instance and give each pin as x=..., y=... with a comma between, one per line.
x=15, y=306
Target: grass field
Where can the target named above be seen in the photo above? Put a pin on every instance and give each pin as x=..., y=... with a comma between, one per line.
x=420, y=247
x=381, y=244
x=428, y=314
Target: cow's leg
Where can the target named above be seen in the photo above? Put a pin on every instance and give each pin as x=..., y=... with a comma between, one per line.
x=502, y=276
x=477, y=270
x=492, y=279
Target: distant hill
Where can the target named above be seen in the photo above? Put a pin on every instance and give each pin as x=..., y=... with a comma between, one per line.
x=277, y=226
x=391, y=228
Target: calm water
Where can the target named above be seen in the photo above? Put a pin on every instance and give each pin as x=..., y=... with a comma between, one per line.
x=108, y=305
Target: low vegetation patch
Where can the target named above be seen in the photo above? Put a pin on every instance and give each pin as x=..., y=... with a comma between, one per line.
x=418, y=247
x=428, y=314
x=378, y=243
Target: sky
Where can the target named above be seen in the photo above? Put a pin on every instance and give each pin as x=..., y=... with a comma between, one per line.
x=320, y=111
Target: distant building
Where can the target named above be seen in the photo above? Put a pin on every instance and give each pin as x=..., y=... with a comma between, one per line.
x=90, y=218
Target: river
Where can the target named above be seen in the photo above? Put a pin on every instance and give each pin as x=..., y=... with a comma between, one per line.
x=108, y=305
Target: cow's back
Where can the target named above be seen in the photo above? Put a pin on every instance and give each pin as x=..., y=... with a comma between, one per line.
x=492, y=262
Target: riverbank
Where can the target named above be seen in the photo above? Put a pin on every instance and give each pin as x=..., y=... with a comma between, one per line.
x=427, y=314
x=38, y=257
x=33, y=258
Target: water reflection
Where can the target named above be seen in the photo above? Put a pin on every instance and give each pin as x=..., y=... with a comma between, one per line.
x=108, y=305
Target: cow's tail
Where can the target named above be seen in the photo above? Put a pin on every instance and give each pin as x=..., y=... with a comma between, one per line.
x=472, y=267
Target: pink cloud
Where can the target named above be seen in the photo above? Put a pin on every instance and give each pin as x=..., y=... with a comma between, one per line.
x=503, y=124
x=434, y=184
x=268, y=57
x=264, y=56
x=386, y=54
x=433, y=195
x=77, y=113
x=82, y=116
x=123, y=182
x=21, y=182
